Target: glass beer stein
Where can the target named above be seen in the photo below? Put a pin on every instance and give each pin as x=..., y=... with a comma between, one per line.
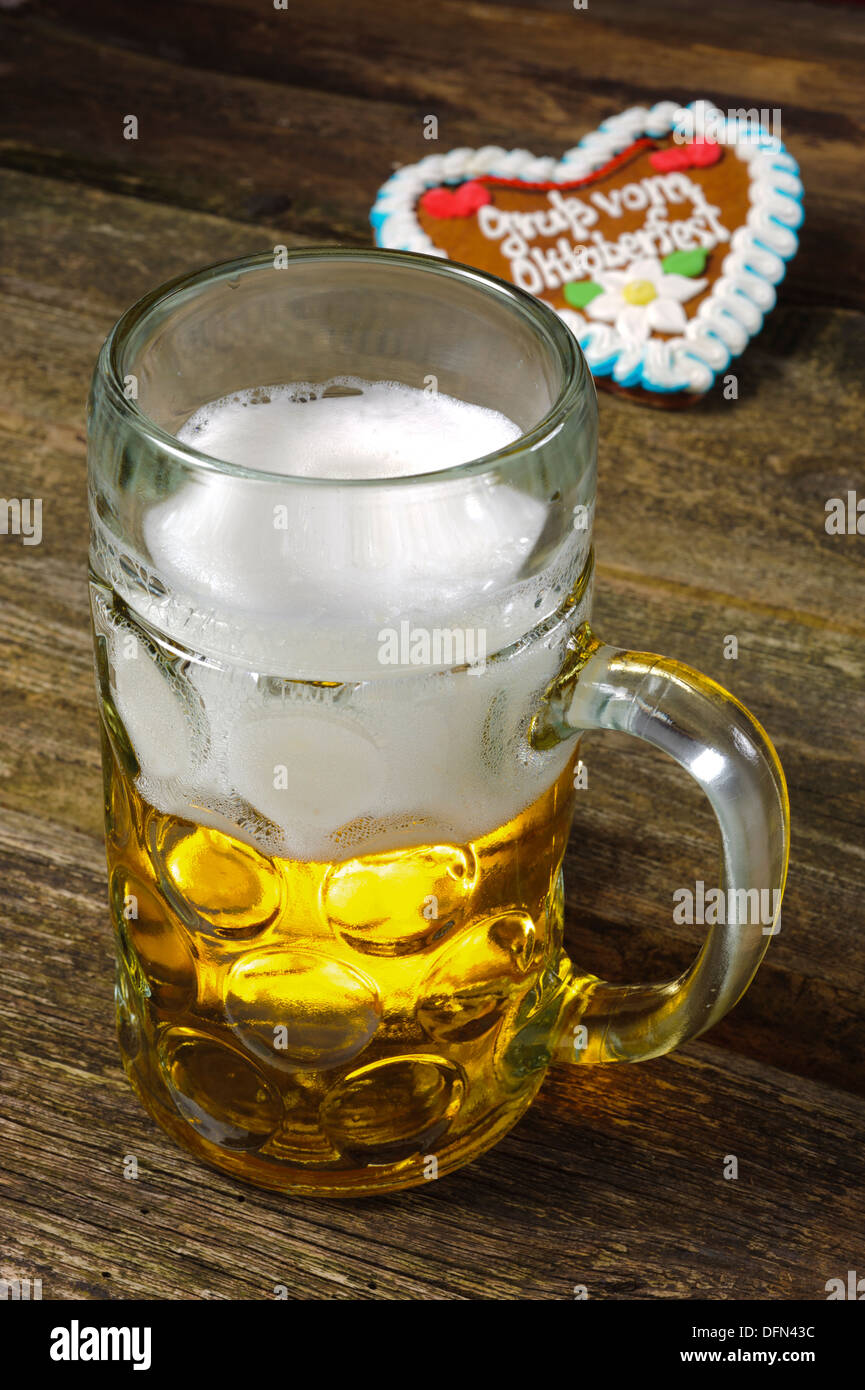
x=341, y=702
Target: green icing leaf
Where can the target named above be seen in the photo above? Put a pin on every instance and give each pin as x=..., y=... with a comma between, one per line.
x=685, y=262
x=579, y=293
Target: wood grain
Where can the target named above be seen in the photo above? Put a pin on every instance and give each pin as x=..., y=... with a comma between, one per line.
x=246, y=128
x=710, y=523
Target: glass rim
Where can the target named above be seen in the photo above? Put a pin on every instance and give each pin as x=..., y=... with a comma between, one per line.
x=575, y=388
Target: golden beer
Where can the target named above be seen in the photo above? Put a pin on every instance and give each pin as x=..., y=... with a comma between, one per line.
x=330, y=1026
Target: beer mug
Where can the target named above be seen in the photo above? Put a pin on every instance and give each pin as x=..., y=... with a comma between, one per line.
x=341, y=508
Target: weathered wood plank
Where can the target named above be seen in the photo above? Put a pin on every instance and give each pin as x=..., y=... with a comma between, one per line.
x=271, y=101
x=809, y=48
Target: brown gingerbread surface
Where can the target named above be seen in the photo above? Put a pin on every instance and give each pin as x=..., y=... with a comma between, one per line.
x=623, y=198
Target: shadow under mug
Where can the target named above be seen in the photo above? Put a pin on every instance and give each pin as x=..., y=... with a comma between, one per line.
x=335, y=883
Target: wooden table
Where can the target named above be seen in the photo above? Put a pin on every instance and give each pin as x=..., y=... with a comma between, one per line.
x=259, y=126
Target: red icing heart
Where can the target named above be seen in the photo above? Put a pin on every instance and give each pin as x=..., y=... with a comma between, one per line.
x=455, y=202
x=695, y=155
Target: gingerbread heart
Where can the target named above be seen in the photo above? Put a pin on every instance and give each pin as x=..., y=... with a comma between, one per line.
x=660, y=251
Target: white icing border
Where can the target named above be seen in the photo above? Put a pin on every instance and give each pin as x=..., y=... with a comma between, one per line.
x=726, y=320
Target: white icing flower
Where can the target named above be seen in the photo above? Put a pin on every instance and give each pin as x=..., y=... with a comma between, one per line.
x=643, y=298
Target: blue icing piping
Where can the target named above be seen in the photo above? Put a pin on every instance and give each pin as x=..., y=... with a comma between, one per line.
x=631, y=378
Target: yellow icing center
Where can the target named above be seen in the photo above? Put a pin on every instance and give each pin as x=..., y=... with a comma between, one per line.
x=639, y=292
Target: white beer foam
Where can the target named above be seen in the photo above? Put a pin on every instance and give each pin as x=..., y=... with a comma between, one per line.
x=307, y=768
x=153, y=713
x=334, y=565
x=382, y=430
x=410, y=756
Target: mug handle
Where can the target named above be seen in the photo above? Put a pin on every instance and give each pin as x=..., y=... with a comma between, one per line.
x=713, y=737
